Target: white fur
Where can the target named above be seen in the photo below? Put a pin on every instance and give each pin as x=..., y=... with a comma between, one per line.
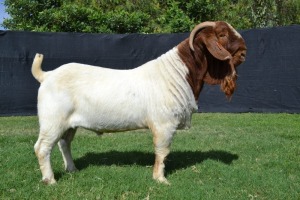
x=155, y=95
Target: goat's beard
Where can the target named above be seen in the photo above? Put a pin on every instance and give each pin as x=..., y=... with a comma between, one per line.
x=228, y=84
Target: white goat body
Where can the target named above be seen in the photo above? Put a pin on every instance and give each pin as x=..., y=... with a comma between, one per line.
x=115, y=100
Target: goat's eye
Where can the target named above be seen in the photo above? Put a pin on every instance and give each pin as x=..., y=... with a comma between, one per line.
x=222, y=35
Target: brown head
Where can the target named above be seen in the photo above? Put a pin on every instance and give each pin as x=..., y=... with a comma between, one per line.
x=212, y=53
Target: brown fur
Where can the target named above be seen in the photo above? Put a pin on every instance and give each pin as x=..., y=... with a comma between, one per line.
x=204, y=67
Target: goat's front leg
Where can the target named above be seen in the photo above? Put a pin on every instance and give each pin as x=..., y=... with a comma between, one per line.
x=162, y=141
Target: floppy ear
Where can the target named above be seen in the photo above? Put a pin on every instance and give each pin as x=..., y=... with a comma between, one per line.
x=215, y=48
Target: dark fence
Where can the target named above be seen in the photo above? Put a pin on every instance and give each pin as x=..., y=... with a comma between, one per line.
x=268, y=80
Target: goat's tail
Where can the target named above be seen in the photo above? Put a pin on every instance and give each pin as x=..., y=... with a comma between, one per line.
x=36, y=69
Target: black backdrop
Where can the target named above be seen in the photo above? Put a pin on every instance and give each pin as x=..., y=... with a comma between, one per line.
x=268, y=80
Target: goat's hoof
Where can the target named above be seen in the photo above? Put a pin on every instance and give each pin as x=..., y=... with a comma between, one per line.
x=162, y=180
x=47, y=181
x=72, y=169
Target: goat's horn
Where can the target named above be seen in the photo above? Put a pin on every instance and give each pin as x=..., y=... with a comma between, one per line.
x=196, y=29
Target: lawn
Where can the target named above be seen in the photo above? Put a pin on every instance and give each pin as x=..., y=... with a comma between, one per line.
x=223, y=156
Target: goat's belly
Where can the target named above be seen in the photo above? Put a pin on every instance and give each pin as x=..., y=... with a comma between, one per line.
x=105, y=121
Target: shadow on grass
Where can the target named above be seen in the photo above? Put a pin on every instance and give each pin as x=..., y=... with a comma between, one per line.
x=176, y=160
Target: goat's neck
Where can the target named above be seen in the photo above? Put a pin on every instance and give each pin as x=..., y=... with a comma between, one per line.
x=196, y=65
x=174, y=73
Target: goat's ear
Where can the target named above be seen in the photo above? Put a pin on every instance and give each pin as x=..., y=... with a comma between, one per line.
x=216, y=49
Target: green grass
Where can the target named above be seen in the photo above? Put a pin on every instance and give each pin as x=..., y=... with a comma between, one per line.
x=223, y=156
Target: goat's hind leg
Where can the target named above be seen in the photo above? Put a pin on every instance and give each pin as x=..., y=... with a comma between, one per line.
x=43, y=148
x=65, y=149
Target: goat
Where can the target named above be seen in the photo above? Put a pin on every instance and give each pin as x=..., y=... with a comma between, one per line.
x=160, y=95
